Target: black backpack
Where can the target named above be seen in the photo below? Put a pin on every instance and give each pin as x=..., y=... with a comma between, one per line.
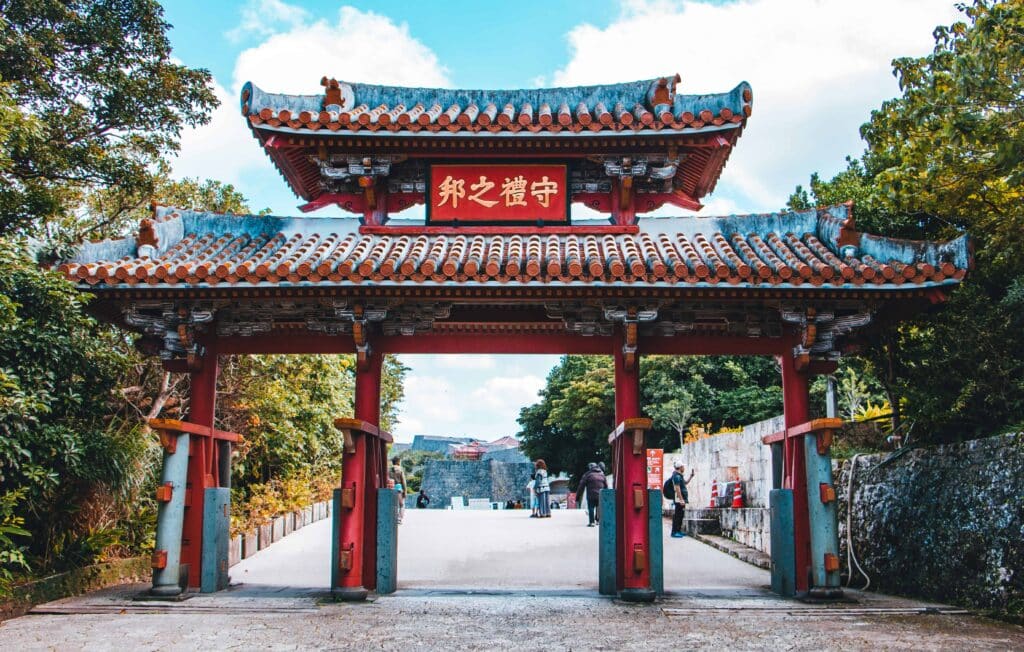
x=668, y=490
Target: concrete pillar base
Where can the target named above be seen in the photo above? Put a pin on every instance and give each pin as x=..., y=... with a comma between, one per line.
x=824, y=594
x=637, y=595
x=165, y=591
x=349, y=593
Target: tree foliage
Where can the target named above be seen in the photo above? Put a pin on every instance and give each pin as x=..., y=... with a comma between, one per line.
x=946, y=157
x=101, y=103
x=569, y=426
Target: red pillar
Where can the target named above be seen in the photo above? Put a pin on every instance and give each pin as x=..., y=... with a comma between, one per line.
x=796, y=408
x=358, y=524
x=632, y=534
x=202, y=461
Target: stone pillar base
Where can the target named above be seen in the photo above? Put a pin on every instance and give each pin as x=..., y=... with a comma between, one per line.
x=824, y=594
x=637, y=595
x=349, y=593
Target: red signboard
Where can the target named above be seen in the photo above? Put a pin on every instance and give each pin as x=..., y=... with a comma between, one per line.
x=499, y=194
x=655, y=467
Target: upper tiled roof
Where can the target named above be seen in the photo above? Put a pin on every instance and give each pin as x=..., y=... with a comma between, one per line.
x=806, y=248
x=633, y=107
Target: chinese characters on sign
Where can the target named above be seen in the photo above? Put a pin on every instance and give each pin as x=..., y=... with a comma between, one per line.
x=655, y=467
x=499, y=193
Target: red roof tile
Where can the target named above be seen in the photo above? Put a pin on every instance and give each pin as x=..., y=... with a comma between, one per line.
x=792, y=249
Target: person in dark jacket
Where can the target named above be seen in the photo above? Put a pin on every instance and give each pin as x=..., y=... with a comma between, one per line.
x=422, y=500
x=593, y=481
x=681, y=498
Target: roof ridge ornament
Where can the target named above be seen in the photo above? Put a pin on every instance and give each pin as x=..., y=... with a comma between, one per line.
x=337, y=95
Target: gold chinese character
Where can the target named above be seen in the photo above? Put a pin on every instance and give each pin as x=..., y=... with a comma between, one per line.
x=454, y=189
x=543, y=190
x=514, y=191
x=481, y=188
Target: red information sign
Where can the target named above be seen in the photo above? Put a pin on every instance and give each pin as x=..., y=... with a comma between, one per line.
x=512, y=193
x=655, y=467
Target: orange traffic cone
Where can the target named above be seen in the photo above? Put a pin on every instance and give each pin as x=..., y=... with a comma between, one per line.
x=737, y=495
x=714, y=494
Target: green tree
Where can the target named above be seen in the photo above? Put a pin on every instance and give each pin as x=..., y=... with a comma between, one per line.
x=569, y=426
x=107, y=102
x=59, y=448
x=945, y=157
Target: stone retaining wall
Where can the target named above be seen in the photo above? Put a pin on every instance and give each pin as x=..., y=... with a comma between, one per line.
x=74, y=582
x=944, y=523
x=247, y=544
x=490, y=479
x=729, y=457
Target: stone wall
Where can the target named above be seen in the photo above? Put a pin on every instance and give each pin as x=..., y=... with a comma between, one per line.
x=944, y=523
x=749, y=526
x=496, y=481
x=728, y=457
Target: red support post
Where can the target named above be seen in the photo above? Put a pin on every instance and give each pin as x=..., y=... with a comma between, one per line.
x=796, y=408
x=633, y=562
x=202, y=462
x=360, y=477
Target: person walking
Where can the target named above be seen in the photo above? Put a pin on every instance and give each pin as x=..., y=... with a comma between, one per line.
x=680, y=499
x=422, y=500
x=542, y=487
x=592, y=482
x=397, y=475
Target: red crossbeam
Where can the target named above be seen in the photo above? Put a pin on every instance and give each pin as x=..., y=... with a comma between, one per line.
x=174, y=425
x=810, y=428
x=364, y=427
x=629, y=425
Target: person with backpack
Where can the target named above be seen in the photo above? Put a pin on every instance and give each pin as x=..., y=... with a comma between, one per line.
x=593, y=481
x=675, y=490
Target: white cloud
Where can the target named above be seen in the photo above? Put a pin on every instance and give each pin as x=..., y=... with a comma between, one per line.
x=292, y=57
x=817, y=68
x=475, y=361
x=266, y=17
x=224, y=149
x=507, y=394
x=430, y=399
x=358, y=47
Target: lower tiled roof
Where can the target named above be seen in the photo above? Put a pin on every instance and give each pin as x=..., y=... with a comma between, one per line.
x=807, y=248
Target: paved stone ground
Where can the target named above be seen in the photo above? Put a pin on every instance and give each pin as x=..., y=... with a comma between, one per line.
x=488, y=549
x=448, y=600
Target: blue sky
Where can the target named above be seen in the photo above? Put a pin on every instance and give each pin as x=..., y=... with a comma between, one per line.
x=817, y=68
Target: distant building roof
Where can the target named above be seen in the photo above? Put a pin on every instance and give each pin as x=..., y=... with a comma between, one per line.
x=504, y=442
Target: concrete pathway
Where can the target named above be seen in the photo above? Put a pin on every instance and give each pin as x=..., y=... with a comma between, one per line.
x=487, y=550
x=496, y=581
